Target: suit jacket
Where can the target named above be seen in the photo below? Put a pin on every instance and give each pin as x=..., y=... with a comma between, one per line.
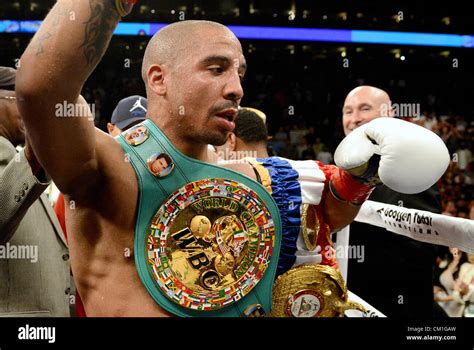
x=27, y=222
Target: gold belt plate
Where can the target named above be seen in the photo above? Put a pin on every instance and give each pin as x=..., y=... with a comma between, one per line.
x=311, y=291
x=210, y=243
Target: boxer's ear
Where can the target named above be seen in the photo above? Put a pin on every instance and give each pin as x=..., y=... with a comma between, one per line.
x=110, y=128
x=156, y=79
x=232, y=142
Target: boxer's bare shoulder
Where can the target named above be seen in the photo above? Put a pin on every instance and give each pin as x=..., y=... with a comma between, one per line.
x=240, y=167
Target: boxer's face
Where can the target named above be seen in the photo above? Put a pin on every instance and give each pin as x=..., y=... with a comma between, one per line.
x=206, y=89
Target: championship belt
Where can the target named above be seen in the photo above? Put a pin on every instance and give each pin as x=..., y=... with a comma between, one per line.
x=207, y=239
x=311, y=291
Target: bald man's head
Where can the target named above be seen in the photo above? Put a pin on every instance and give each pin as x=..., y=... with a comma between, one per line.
x=173, y=42
x=363, y=104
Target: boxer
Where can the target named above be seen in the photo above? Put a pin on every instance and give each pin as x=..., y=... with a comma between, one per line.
x=193, y=72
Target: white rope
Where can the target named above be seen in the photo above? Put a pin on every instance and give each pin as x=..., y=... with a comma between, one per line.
x=420, y=225
x=370, y=310
x=342, y=242
x=417, y=224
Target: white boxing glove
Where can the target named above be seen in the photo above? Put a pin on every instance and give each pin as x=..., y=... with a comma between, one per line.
x=412, y=158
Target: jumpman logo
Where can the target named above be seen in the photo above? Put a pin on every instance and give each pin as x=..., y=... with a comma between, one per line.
x=138, y=104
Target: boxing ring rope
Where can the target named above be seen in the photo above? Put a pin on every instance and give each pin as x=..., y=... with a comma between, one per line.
x=417, y=224
x=420, y=225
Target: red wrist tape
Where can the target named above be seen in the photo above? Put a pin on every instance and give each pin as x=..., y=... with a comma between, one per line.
x=344, y=186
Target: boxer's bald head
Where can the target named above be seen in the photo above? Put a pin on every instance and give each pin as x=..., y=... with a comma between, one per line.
x=192, y=72
x=173, y=43
x=363, y=104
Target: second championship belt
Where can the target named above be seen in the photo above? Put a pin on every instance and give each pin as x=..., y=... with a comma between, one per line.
x=207, y=239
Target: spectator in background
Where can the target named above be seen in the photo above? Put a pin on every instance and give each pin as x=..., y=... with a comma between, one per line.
x=464, y=287
x=450, y=209
x=37, y=285
x=129, y=111
x=280, y=140
x=461, y=124
x=449, y=134
x=249, y=138
x=469, y=174
x=296, y=135
x=447, y=279
x=428, y=121
x=464, y=156
x=303, y=146
x=318, y=146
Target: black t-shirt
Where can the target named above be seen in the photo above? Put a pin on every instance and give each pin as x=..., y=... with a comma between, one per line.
x=396, y=275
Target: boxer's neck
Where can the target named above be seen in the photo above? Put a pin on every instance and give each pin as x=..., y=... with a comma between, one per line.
x=189, y=148
x=192, y=150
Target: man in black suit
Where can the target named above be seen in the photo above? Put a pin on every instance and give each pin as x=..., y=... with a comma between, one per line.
x=396, y=275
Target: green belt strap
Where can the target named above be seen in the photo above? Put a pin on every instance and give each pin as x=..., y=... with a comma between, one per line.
x=153, y=193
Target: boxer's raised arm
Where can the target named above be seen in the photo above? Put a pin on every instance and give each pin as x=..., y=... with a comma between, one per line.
x=63, y=53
